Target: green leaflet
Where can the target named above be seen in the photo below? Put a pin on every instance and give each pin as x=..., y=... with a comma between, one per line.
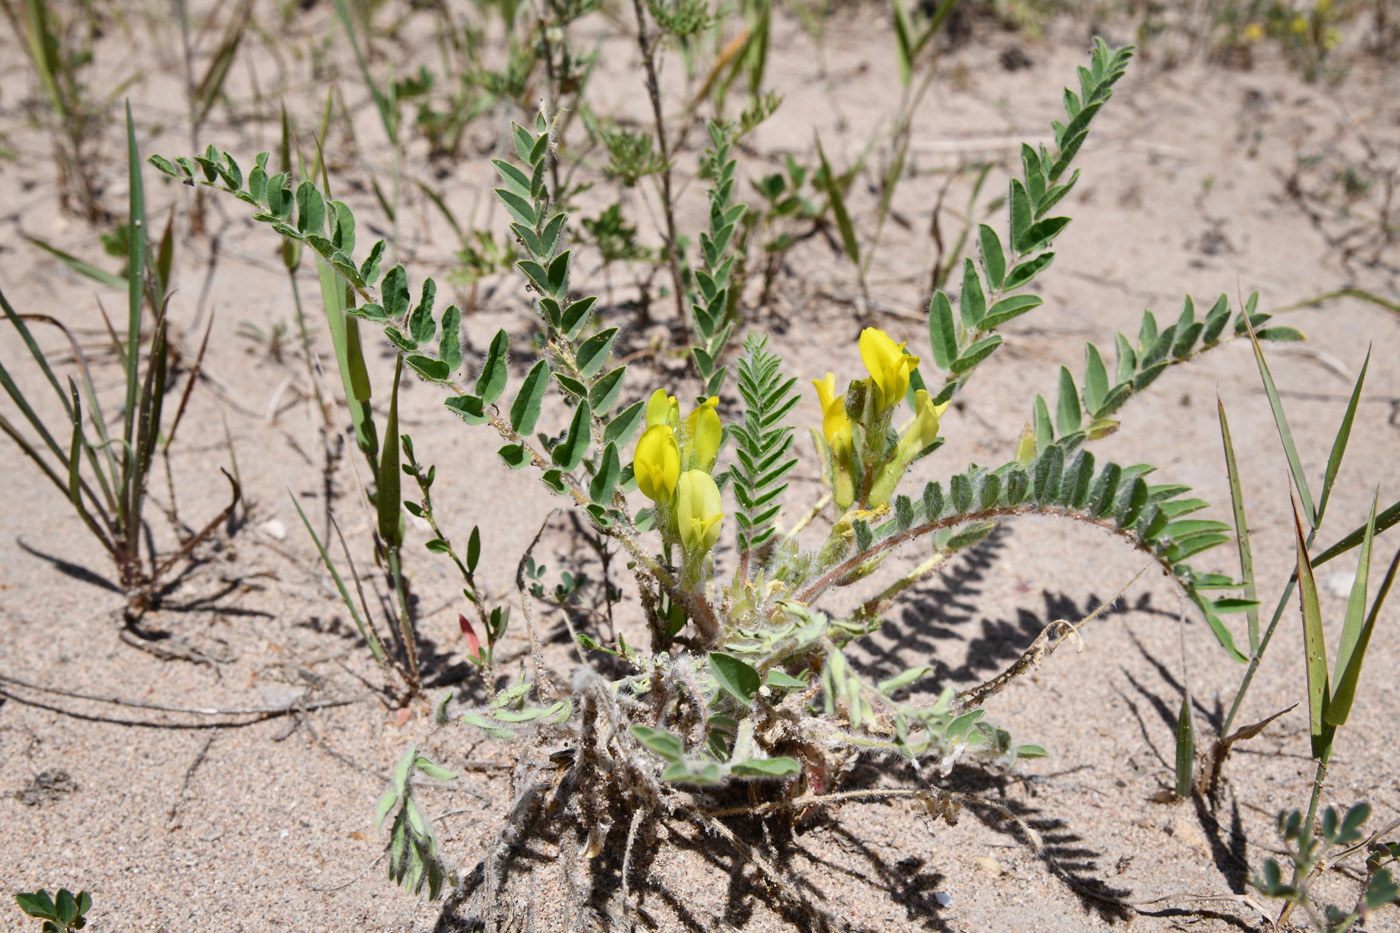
x=450, y=343
x=738, y=679
x=605, y=480
x=569, y=452
x=766, y=767
x=594, y=352
x=525, y=410
x=668, y=745
x=491, y=381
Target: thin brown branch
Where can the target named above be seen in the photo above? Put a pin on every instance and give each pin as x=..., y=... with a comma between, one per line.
x=186, y=710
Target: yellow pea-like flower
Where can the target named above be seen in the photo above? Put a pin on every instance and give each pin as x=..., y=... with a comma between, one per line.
x=889, y=366
x=657, y=463
x=698, y=512
x=663, y=409
x=836, y=426
x=924, y=430
x=703, y=434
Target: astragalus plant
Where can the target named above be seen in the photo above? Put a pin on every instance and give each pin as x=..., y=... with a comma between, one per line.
x=746, y=677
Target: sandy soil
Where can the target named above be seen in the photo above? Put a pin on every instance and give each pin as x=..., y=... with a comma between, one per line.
x=1197, y=180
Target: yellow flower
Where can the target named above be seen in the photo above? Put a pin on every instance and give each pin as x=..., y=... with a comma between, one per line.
x=657, y=463
x=889, y=366
x=703, y=434
x=924, y=430
x=835, y=425
x=663, y=409
x=698, y=512
x=1253, y=32
x=921, y=433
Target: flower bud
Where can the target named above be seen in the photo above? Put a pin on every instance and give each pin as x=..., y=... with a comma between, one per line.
x=698, y=512
x=836, y=428
x=663, y=409
x=702, y=436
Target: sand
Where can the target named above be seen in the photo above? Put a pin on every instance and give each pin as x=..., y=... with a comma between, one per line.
x=1197, y=179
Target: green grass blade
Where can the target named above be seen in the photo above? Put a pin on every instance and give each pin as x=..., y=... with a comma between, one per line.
x=354, y=377
x=1241, y=529
x=212, y=84
x=1348, y=668
x=1339, y=444
x=29, y=451
x=387, y=493
x=80, y=266
x=337, y=297
x=44, y=54
x=1185, y=748
x=1384, y=521
x=935, y=23
x=18, y=397
x=446, y=212
x=381, y=102
x=1313, y=645
x=1346, y=684
x=75, y=449
x=1356, y=293
x=366, y=633
x=1300, y=481
x=291, y=249
x=136, y=269
x=838, y=207
x=904, y=42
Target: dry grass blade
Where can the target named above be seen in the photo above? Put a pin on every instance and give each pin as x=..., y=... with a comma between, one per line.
x=1215, y=761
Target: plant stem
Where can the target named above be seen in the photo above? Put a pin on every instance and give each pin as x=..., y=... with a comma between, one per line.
x=1303, y=868
x=405, y=623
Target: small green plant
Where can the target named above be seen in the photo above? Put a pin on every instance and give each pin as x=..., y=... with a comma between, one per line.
x=61, y=913
x=747, y=677
x=104, y=465
x=1310, y=852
